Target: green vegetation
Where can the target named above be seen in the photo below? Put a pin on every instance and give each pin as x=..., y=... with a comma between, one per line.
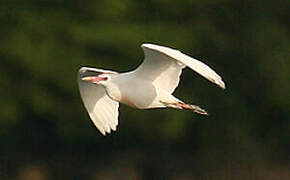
x=46, y=133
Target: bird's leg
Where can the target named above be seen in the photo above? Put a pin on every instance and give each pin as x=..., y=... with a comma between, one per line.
x=193, y=108
x=181, y=105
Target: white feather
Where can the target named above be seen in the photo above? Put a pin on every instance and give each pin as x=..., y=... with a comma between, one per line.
x=101, y=108
x=164, y=65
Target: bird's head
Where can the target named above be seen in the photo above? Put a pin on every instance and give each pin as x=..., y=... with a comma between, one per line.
x=95, y=76
x=100, y=79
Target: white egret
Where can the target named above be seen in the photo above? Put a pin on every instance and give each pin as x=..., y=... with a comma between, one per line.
x=148, y=86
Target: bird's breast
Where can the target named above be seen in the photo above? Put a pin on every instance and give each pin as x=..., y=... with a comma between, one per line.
x=135, y=93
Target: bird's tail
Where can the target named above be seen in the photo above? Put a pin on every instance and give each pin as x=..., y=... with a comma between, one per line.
x=181, y=105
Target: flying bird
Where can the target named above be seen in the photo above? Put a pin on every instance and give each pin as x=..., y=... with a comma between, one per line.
x=150, y=85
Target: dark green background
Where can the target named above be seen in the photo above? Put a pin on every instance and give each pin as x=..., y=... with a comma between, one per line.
x=45, y=132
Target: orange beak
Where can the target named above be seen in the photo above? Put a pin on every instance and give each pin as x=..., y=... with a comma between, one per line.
x=93, y=79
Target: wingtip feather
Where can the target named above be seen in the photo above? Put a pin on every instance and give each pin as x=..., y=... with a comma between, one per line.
x=221, y=84
x=102, y=131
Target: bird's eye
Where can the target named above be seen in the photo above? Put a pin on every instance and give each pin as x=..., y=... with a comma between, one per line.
x=105, y=78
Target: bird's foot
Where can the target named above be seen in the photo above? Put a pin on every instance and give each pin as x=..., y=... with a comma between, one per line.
x=191, y=107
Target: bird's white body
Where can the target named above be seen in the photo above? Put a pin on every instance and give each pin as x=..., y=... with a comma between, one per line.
x=149, y=86
x=136, y=92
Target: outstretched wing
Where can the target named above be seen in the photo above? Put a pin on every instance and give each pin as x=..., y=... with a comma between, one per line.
x=101, y=108
x=164, y=65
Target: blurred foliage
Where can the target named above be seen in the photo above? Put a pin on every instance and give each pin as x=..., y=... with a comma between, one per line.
x=45, y=132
